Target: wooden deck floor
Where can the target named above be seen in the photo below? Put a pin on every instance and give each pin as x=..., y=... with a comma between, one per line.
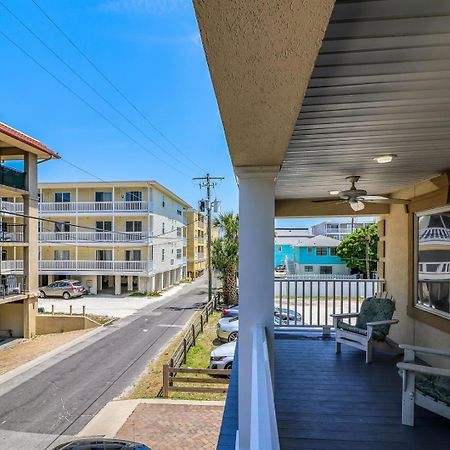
x=326, y=401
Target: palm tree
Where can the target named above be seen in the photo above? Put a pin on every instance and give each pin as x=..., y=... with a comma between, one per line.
x=225, y=254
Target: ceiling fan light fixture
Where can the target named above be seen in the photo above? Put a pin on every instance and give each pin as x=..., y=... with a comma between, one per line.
x=357, y=205
x=384, y=159
x=334, y=192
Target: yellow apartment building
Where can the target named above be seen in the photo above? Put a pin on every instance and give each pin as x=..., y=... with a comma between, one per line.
x=19, y=157
x=114, y=237
x=196, y=243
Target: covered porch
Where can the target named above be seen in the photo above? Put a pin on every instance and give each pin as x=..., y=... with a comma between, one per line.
x=311, y=93
x=326, y=401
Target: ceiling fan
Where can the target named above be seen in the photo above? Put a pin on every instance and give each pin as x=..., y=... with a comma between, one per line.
x=357, y=198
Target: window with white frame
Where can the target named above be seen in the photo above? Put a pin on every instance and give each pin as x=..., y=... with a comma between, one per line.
x=432, y=261
x=132, y=255
x=178, y=231
x=133, y=196
x=62, y=227
x=309, y=269
x=333, y=251
x=163, y=254
x=321, y=251
x=179, y=253
x=103, y=197
x=326, y=270
x=62, y=197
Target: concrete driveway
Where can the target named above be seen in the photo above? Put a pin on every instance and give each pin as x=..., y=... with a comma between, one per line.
x=106, y=305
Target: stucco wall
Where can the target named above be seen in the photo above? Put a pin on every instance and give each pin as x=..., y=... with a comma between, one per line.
x=11, y=318
x=400, y=278
x=46, y=324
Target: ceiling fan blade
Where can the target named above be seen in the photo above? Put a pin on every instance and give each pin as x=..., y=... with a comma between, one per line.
x=387, y=200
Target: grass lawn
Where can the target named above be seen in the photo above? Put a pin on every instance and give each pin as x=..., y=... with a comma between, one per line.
x=150, y=384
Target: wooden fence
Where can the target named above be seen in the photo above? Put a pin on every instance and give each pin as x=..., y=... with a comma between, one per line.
x=173, y=367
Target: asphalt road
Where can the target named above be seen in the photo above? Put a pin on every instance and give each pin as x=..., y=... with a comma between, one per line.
x=39, y=406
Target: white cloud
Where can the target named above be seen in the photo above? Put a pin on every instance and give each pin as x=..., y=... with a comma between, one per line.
x=152, y=7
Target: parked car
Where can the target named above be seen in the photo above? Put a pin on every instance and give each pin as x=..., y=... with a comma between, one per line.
x=231, y=312
x=228, y=327
x=98, y=443
x=222, y=357
x=286, y=315
x=280, y=271
x=63, y=288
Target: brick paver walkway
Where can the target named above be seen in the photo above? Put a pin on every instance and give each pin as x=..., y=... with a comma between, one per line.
x=172, y=426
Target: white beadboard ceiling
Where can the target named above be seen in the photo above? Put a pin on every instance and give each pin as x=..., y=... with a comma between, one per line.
x=381, y=84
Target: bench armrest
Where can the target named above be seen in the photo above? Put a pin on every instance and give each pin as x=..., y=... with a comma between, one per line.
x=425, y=370
x=427, y=350
x=380, y=323
x=345, y=315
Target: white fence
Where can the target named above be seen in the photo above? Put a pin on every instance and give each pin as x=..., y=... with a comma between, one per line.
x=311, y=302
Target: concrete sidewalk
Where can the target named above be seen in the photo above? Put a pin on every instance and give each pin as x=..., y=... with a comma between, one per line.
x=161, y=424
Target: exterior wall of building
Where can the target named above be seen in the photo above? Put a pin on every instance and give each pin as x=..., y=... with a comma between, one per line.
x=396, y=264
x=282, y=252
x=160, y=238
x=196, y=243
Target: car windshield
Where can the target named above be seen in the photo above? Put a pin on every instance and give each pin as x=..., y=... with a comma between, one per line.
x=76, y=283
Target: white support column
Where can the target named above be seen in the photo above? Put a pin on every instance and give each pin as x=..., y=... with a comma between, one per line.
x=256, y=287
x=129, y=283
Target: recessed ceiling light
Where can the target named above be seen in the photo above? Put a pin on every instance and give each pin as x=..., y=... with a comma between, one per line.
x=334, y=192
x=383, y=159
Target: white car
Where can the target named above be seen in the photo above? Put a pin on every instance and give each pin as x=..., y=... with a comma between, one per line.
x=228, y=327
x=222, y=357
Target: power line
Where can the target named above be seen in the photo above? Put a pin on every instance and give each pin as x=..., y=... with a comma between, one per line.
x=62, y=83
x=107, y=79
x=81, y=169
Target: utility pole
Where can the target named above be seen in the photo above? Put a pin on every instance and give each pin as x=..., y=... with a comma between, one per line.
x=208, y=182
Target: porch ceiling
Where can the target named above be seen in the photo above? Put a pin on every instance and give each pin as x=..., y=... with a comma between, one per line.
x=381, y=84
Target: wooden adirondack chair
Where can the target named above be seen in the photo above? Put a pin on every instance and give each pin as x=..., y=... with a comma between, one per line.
x=426, y=386
x=372, y=325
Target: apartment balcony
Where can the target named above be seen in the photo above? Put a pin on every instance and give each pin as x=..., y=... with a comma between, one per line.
x=97, y=267
x=82, y=267
x=12, y=178
x=95, y=208
x=11, y=286
x=12, y=234
x=94, y=238
x=200, y=240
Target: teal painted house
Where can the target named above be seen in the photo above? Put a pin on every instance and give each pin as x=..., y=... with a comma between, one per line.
x=315, y=255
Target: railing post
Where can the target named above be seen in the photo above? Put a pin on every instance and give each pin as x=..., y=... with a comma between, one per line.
x=184, y=351
x=84, y=310
x=165, y=381
x=70, y=310
x=53, y=310
x=201, y=322
x=193, y=334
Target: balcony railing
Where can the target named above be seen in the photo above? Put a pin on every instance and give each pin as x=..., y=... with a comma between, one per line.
x=92, y=265
x=12, y=177
x=16, y=266
x=135, y=237
x=435, y=234
x=94, y=207
x=10, y=207
x=11, y=232
x=263, y=421
x=311, y=302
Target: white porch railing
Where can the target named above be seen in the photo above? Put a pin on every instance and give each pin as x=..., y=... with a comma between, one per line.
x=263, y=428
x=94, y=207
x=92, y=265
x=11, y=266
x=311, y=302
x=11, y=207
x=93, y=237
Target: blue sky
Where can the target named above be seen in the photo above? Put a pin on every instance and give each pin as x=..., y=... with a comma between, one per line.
x=152, y=52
